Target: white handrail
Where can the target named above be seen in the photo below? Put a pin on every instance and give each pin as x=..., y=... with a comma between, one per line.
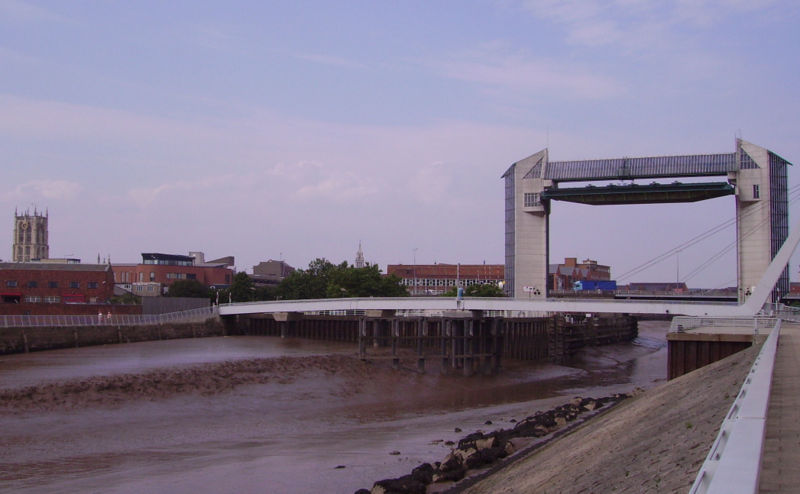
x=192, y=315
x=734, y=462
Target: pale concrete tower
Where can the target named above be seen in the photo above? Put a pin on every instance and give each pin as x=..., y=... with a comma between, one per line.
x=30, y=237
x=527, y=224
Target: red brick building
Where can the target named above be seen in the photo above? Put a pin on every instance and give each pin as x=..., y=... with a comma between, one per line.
x=435, y=279
x=562, y=276
x=157, y=271
x=38, y=288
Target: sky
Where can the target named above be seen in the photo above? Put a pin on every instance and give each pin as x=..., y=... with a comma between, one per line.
x=295, y=130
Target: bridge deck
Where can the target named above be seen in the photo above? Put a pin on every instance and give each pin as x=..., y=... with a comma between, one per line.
x=780, y=468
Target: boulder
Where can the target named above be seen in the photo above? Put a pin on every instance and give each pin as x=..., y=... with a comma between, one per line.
x=423, y=473
x=485, y=457
x=401, y=485
x=452, y=475
x=450, y=462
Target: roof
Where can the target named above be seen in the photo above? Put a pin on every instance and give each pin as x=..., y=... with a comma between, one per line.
x=35, y=266
x=157, y=256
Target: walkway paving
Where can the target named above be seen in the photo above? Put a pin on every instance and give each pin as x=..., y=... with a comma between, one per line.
x=780, y=468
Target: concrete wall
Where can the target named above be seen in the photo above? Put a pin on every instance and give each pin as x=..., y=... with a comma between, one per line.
x=162, y=305
x=20, y=340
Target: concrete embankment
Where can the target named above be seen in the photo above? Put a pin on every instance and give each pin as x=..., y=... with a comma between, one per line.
x=654, y=442
x=20, y=340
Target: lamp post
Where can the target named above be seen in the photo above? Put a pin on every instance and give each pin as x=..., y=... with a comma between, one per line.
x=414, y=264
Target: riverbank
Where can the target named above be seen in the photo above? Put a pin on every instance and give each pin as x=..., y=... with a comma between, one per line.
x=654, y=442
x=260, y=414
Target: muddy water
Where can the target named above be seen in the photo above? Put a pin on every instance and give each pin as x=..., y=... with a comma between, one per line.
x=308, y=409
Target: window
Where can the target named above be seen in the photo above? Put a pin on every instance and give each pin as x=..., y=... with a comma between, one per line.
x=52, y=284
x=52, y=300
x=11, y=283
x=91, y=284
x=191, y=276
x=33, y=299
x=32, y=284
x=531, y=200
x=74, y=284
x=152, y=276
x=755, y=191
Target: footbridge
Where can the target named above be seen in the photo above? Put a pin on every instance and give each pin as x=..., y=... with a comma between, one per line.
x=510, y=306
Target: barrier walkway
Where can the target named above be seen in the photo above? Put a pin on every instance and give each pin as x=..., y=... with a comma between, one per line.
x=780, y=468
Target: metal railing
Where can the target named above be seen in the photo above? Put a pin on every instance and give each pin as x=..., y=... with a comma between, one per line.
x=29, y=321
x=681, y=324
x=783, y=311
x=734, y=461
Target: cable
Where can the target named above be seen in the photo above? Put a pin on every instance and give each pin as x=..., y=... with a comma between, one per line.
x=708, y=233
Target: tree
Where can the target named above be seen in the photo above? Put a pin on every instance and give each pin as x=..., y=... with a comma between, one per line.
x=188, y=288
x=324, y=279
x=481, y=290
x=242, y=289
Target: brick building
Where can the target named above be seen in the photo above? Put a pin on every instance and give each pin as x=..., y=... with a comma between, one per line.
x=435, y=279
x=157, y=271
x=562, y=276
x=44, y=288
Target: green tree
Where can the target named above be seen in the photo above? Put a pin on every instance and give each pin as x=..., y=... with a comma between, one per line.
x=482, y=290
x=324, y=279
x=242, y=289
x=188, y=288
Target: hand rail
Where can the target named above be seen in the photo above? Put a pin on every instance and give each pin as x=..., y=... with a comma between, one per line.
x=734, y=462
x=27, y=321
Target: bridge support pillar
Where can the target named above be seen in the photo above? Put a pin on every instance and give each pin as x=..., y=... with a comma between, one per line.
x=422, y=336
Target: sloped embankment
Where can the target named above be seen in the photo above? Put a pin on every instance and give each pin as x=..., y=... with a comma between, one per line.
x=655, y=442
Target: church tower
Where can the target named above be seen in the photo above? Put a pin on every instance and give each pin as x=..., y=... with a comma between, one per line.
x=30, y=237
x=360, y=257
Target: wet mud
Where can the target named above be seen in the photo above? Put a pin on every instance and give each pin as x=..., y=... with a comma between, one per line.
x=306, y=419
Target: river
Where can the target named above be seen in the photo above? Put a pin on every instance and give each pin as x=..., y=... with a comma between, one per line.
x=266, y=415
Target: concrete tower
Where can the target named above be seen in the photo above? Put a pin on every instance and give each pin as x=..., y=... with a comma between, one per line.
x=30, y=237
x=527, y=222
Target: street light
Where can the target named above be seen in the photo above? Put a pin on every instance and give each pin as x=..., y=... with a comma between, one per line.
x=414, y=264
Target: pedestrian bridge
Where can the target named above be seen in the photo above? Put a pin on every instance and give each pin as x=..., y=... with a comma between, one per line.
x=511, y=306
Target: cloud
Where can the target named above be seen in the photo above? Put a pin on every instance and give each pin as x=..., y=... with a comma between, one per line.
x=494, y=66
x=638, y=25
x=24, y=117
x=47, y=189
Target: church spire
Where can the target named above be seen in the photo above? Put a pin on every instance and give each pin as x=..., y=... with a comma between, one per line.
x=360, y=256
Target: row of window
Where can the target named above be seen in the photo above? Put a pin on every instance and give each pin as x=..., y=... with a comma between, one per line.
x=170, y=262
x=125, y=277
x=180, y=276
x=444, y=282
x=53, y=284
x=532, y=199
x=48, y=300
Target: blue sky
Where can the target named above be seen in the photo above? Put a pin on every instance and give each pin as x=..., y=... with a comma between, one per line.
x=297, y=129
